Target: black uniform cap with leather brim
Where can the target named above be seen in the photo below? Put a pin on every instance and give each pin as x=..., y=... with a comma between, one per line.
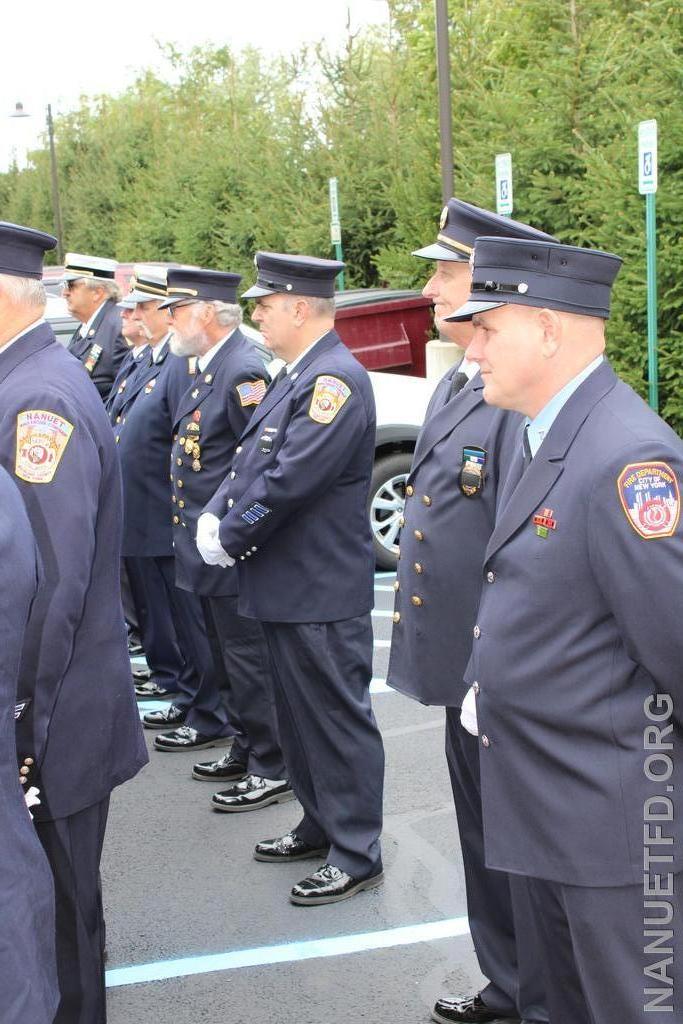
x=293, y=274
x=546, y=275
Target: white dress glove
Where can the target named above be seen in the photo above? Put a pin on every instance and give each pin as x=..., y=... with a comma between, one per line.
x=31, y=797
x=208, y=544
x=468, y=713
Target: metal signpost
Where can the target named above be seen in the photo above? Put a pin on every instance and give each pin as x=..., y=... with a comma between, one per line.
x=647, y=186
x=504, y=184
x=335, y=228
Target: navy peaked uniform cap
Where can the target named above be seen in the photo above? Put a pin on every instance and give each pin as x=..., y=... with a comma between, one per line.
x=22, y=250
x=293, y=275
x=193, y=285
x=550, y=276
x=462, y=223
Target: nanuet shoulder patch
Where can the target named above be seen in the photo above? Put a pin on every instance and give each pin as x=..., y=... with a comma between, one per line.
x=42, y=438
x=329, y=396
x=650, y=498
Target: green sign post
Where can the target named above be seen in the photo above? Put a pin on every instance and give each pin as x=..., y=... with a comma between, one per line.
x=335, y=228
x=647, y=186
x=504, y=205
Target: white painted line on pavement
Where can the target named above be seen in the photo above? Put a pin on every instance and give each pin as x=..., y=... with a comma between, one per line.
x=288, y=952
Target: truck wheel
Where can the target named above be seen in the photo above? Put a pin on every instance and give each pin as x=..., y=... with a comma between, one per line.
x=386, y=504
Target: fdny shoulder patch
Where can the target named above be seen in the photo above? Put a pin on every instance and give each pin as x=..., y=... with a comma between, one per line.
x=650, y=498
x=329, y=396
x=251, y=392
x=42, y=438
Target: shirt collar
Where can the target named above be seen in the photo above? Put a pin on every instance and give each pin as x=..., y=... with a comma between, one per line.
x=290, y=366
x=41, y=320
x=138, y=350
x=539, y=426
x=468, y=367
x=158, y=350
x=204, y=360
x=86, y=327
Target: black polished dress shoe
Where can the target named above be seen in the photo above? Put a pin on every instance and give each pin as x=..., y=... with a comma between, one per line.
x=330, y=884
x=226, y=769
x=472, y=1010
x=251, y=793
x=152, y=691
x=187, y=738
x=141, y=675
x=164, y=718
x=286, y=848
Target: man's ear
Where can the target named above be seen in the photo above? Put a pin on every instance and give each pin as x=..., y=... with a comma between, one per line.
x=301, y=312
x=550, y=323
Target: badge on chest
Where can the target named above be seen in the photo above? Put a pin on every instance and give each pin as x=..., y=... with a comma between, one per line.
x=473, y=472
x=265, y=442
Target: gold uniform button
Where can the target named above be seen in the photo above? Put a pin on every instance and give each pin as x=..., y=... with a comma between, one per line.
x=173, y=498
x=426, y=499
x=238, y=449
x=476, y=632
x=491, y=577
x=118, y=419
x=475, y=688
x=233, y=474
x=181, y=504
x=419, y=535
x=175, y=437
x=231, y=502
x=181, y=440
x=180, y=483
x=417, y=601
x=397, y=585
x=176, y=520
x=117, y=438
x=28, y=761
x=410, y=491
x=418, y=568
x=486, y=742
x=397, y=616
x=401, y=521
x=178, y=462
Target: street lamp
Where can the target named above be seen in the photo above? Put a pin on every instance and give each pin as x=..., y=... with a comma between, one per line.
x=56, y=205
x=443, y=66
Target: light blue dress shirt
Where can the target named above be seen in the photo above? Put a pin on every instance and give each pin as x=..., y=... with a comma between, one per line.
x=541, y=424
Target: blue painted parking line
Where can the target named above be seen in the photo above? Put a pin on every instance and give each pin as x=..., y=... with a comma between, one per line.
x=288, y=952
x=381, y=643
x=382, y=613
x=383, y=589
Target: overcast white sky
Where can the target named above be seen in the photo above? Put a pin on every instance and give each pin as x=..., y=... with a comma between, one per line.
x=55, y=52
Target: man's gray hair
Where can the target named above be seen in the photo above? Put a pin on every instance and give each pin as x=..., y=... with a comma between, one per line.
x=319, y=307
x=111, y=287
x=24, y=291
x=228, y=314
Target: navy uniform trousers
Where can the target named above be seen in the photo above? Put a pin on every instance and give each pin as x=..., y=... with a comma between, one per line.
x=329, y=736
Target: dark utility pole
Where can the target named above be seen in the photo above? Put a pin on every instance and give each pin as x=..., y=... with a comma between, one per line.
x=56, y=207
x=443, y=67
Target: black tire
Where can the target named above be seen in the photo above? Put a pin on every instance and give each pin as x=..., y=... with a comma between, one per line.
x=388, y=476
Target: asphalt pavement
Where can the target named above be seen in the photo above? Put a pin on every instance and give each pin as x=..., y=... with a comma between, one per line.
x=200, y=933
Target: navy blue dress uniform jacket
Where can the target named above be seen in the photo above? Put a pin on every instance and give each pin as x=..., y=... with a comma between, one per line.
x=443, y=541
x=210, y=418
x=577, y=628
x=103, y=349
x=82, y=727
x=297, y=493
x=144, y=437
x=28, y=976
x=124, y=379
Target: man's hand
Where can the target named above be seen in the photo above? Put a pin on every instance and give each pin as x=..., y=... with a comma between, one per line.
x=208, y=544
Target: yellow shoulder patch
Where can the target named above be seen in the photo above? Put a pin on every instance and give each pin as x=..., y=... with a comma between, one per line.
x=329, y=396
x=42, y=438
